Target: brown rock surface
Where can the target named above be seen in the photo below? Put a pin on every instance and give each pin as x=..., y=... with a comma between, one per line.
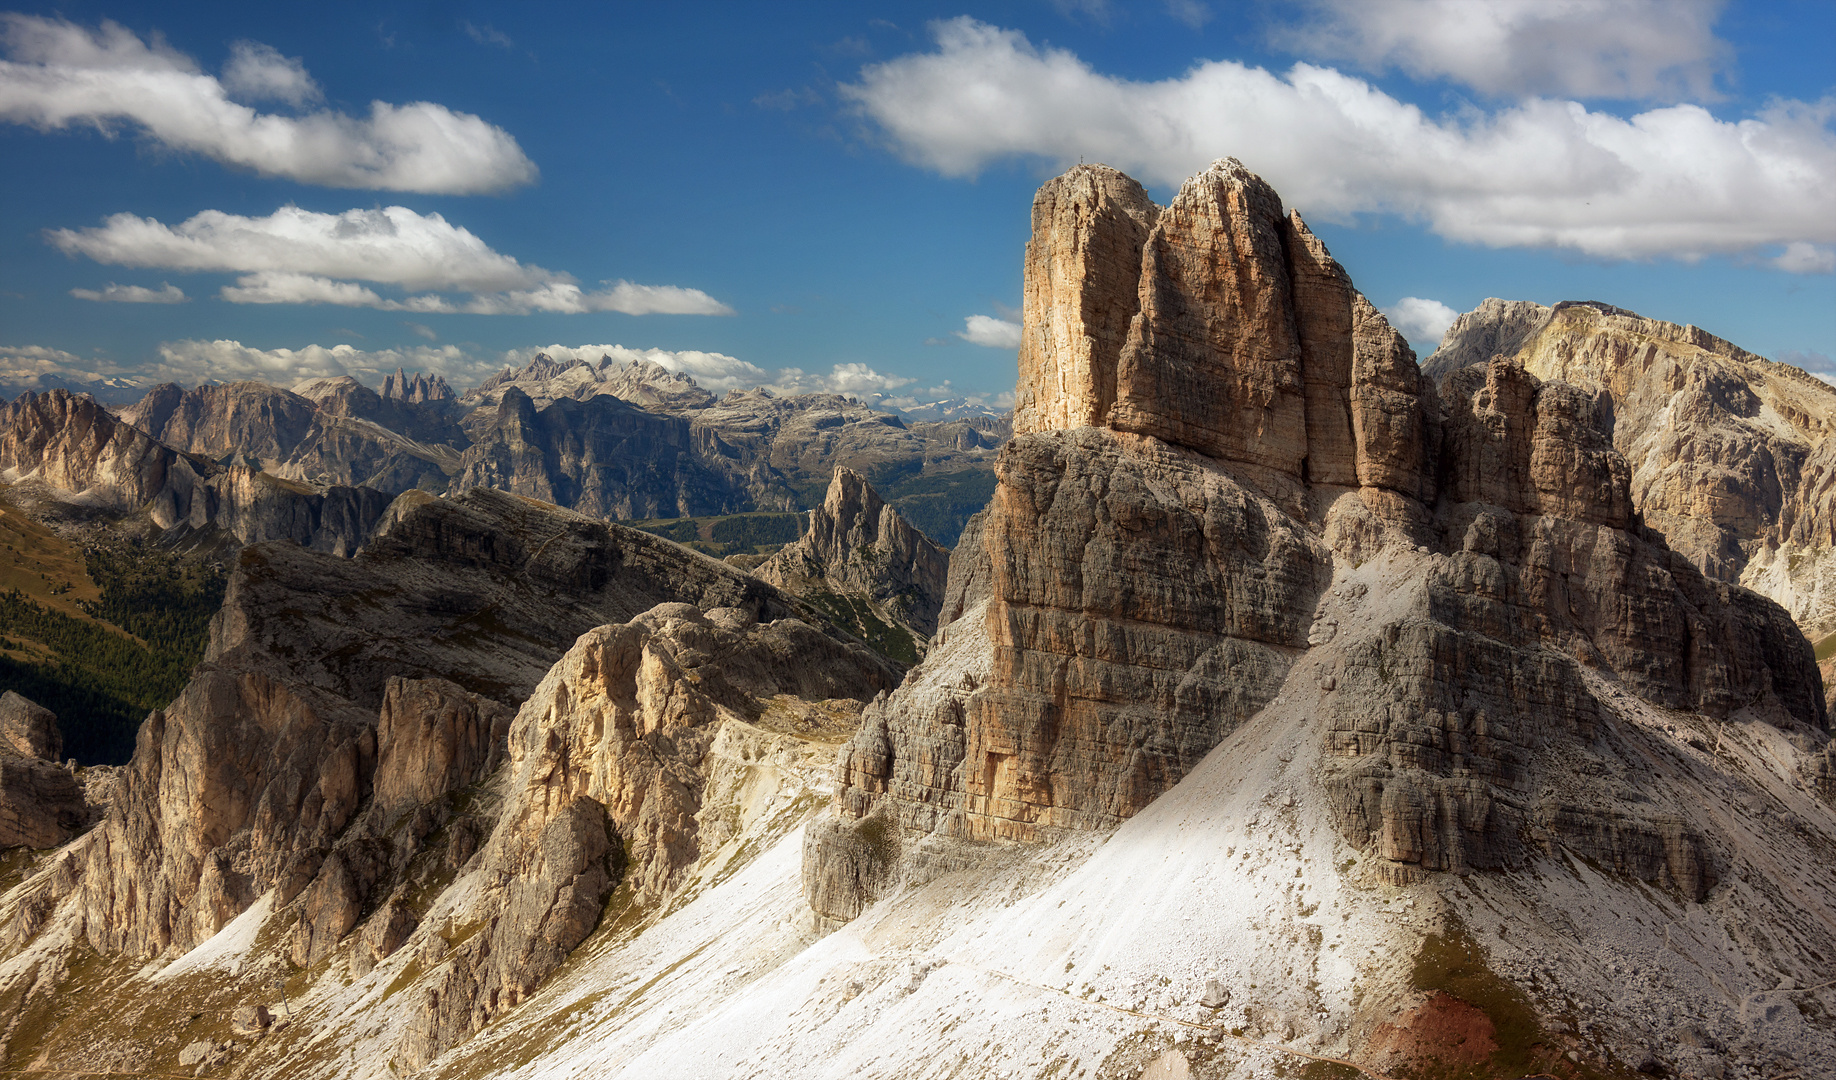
x=1213, y=358
x=1083, y=268
x=608, y=766
x=41, y=803
x=1727, y=449
x=1132, y=595
x=254, y=777
x=88, y=458
x=855, y=545
x=29, y=729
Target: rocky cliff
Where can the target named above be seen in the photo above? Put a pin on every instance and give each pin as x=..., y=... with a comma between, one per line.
x=41, y=803
x=600, y=456
x=1253, y=497
x=856, y=550
x=334, y=432
x=309, y=772
x=610, y=760
x=84, y=457
x=1729, y=451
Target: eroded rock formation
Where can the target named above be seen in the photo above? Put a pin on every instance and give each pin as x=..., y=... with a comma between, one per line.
x=71, y=445
x=41, y=803
x=1164, y=541
x=857, y=548
x=253, y=778
x=600, y=456
x=609, y=761
x=1728, y=451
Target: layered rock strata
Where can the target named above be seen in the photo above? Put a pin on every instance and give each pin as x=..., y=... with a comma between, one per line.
x=250, y=781
x=41, y=803
x=333, y=431
x=600, y=456
x=73, y=446
x=610, y=758
x=856, y=547
x=1729, y=452
x=1152, y=569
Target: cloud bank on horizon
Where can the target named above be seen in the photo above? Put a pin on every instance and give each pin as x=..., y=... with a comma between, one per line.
x=1672, y=181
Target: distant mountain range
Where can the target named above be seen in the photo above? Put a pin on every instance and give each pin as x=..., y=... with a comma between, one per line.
x=107, y=391
x=611, y=440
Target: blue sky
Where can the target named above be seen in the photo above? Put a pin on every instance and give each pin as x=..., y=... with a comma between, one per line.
x=837, y=196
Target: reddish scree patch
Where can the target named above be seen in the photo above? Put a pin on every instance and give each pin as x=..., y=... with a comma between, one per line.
x=1441, y=1029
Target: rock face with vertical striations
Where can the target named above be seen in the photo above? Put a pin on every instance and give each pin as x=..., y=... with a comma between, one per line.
x=1729, y=452
x=88, y=458
x=1150, y=576
x=609, y=761
x=41, y=803
x=254, y=778
x=332, y=431
x=1083, y=266
x=600, y=456
x=857, y=548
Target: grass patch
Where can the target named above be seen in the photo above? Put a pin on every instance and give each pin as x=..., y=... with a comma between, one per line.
x=105, y=636
x=757, y=533
x=1826, y=648
x=858, y=617
x=1453, y=964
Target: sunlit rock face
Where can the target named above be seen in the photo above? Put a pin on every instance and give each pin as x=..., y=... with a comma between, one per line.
x=1729, y=452
x=1162, y=549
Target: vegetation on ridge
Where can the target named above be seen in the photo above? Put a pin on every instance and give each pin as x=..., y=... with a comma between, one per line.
x=100, y=681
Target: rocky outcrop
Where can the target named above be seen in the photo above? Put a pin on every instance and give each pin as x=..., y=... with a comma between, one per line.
x=332, y=431
x=76, y=446
x=600, y=456
x=1446, y=721
x=1725, y=447
x=248, y=423
x=856, y=547
x=41, y=803
x=29, y=729
x=417, y=388
x=1494, y=328
x=608, y=765
x=73, y=446
x=253, y=779
x=1083, y=270
x=1149, y=575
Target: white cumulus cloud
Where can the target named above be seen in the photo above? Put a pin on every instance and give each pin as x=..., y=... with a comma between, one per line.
x=1802, y=258
x=1673, y=181
x=57, y=74
x=21, y=363
x=1422, y=321
x=258, y=72
x=990, y=331
x=296, y=256
x=167, y=293
x=1574, y=48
